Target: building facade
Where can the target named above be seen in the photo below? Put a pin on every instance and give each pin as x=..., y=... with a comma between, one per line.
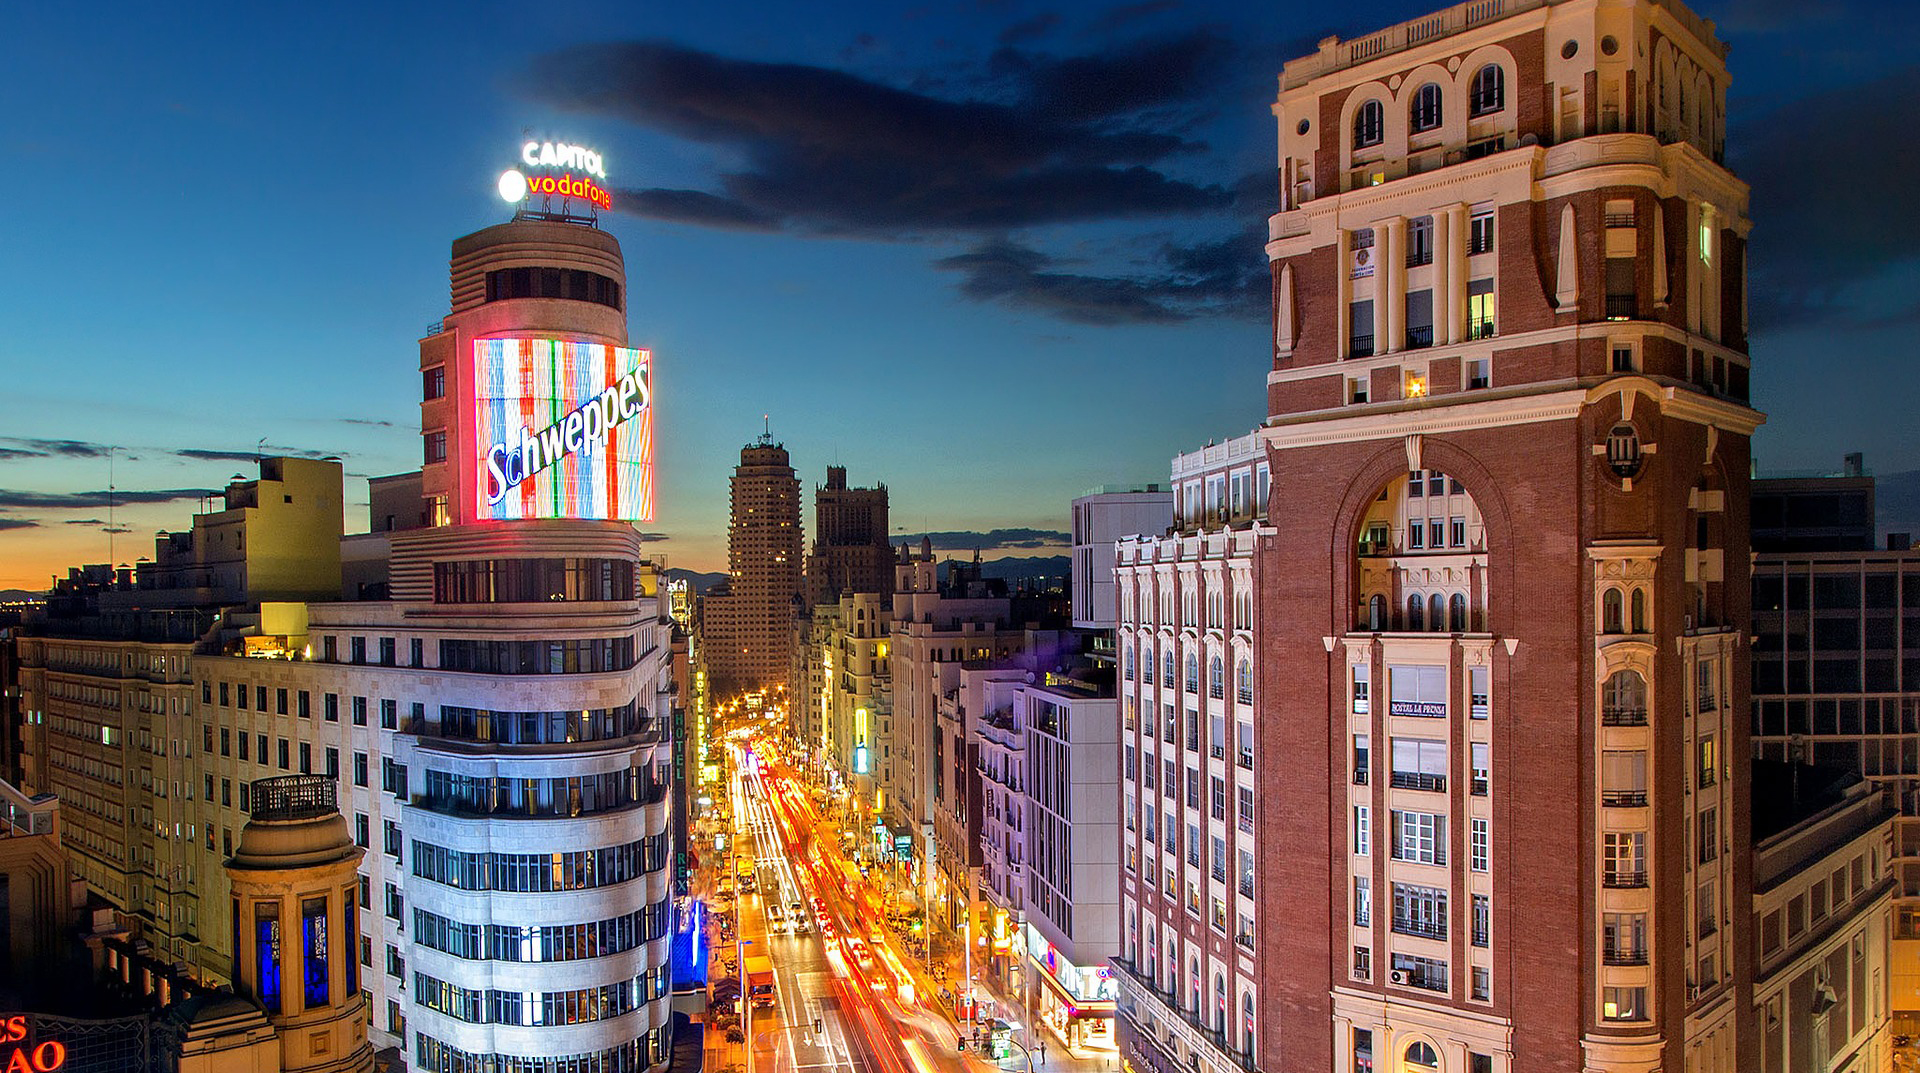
x=747, y=630
x=851, y=552
x=1100, y=518
x=1508, y=421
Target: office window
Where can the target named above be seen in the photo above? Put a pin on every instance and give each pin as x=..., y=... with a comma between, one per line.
x=434, y=447
x=306, y=759
x=416, y=653
x=1482, y=767
x=1362, y=830
x=1625, y=857
x=332, y=707
x=1480, y=309
x=305, y=705
x=357, y=649
x=1362, y=902
x=1423, y=114
x=359, y=769
x=359, y=711
x=1480, y=232
x=333, y=762
x=1477, y=850
x=1369, y=125
x=1420, y=242
x=1623, y=1003
x=1420, y=837
x=1482, y=920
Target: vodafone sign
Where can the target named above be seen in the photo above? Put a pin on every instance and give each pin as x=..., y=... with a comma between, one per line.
x=557, y=169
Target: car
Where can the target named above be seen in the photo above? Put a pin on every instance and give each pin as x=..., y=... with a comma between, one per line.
x=801, y=925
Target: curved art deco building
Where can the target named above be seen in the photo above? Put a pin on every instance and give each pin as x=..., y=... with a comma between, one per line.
x=533, y=889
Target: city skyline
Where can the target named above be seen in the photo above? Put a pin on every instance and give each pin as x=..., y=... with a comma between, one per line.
x=1079, y=296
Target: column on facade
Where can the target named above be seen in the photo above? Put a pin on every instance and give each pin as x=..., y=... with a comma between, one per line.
x=1454, y=256
x=1385, y=249
x=1393, y=264
x=1343, y=303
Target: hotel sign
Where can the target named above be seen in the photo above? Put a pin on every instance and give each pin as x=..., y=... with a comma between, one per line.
x=1426, y=709
x=23, y=1055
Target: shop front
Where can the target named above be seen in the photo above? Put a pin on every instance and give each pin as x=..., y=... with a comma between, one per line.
x=1076, y=1002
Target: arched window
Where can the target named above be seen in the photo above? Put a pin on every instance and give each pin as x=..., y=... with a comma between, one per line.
x=1168, y=666
x=1369, y=125
x=1193, y=673
x=1377, y=612
x=1146, y=662
x=1416, y=614
x=1437, y=613
x=1625, y=700
x=1489, y=91
x=1193, y=981
x=1244, y=692
x=1639, y=611
x=1217, y=678
x=1424, y=113
x=1457, y=613
x=1246, y=1022
x=1128, y=672
x=1613, y=617
x=1421, y=1055
x=1219, y=1003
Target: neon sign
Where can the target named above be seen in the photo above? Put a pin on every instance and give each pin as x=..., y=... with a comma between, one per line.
x=516, y=185
x=26, y=1056
x=564, y=430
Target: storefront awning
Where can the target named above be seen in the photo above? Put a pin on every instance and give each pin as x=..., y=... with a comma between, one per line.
x=1076, y=1007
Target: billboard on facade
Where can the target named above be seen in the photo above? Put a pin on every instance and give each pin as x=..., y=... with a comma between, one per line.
x=564, y=430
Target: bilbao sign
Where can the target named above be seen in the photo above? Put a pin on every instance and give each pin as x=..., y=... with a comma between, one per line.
x=23, y=1054
x=565, y=430
x=556, y=169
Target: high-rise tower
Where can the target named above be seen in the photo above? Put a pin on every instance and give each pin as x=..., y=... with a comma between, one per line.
x=747, y=632
x=850, y=549
x=1498, y=617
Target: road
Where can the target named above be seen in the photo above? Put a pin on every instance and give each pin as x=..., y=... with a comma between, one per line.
x=844, y=974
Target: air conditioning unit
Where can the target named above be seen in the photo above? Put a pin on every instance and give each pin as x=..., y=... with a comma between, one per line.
x=1397, y=976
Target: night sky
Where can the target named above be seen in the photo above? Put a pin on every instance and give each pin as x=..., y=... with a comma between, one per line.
x=990, y=253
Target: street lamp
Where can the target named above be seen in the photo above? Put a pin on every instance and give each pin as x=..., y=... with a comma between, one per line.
x=746, y=995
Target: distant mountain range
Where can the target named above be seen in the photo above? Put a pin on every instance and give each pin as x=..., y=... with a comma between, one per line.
x=18, y=596
x=695, y=580
x=1020, y=569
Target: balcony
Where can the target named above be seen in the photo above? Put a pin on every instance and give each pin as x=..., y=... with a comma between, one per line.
x=1479, y=787
x=1419, y=258
x=1619, y=219
x=1624, y=798
x=1360, y=346
x=1480, y=329
x=1423, y=929
x=1420, y=338
x=1137, y=990
x=1623, y=307
x=1246, y=886
x=1419, y=780
x=1624, y=880
x=1613, y=716
x=1624, y=955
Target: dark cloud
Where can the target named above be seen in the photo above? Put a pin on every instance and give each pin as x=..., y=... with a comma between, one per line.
x=94, y=500
x=201, y=454
x=1030, y=29
x=1824, y=232
x=18, y=523
x=970, y=540
x=368, y=422
x=696, y=207
x=26, y=447
x=652, y=538
x=1127, y=14
x=85, y=521
x=1042, y=141
x=1226, y=277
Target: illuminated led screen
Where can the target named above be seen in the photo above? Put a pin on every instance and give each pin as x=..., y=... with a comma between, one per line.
x=564, y=430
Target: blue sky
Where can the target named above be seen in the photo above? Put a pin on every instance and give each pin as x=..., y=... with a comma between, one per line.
x=234, y=226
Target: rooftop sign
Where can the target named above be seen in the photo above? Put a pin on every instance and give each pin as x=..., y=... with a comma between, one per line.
x=557, y=169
